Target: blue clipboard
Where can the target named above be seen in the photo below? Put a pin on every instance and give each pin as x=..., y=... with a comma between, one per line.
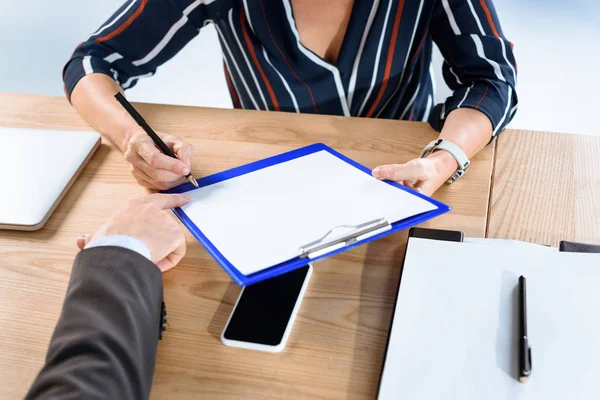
x=296, y=262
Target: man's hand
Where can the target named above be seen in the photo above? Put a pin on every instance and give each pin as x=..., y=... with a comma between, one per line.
x=423, y=174
x=153, y=169
x=150, y=221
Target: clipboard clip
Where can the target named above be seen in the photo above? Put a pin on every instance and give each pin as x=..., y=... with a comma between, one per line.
x=357, y=233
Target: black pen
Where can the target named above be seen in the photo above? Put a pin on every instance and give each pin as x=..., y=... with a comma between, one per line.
x=155, y=138
x=524, y=349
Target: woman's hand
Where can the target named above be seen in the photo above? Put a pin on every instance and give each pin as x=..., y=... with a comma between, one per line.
x=423, y=174
x=153, y=169
x=94, y=98
x=469, y=129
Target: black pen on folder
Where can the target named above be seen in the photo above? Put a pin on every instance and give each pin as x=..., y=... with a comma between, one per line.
x=524, y=349
x=155, y=138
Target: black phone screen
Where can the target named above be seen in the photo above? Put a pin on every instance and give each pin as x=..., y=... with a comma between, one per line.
x=264, y=309
x=436, y=234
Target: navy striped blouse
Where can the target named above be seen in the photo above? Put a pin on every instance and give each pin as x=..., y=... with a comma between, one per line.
x=383, y=69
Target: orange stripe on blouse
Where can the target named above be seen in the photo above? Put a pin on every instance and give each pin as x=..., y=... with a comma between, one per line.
x=486, y=10
x=234, y=95
x=124, y=25
x=255, y=59
x=418, y=48
x=482, y=97
x=390, y=57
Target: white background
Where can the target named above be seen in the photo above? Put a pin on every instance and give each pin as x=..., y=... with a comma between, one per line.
x=557, y=44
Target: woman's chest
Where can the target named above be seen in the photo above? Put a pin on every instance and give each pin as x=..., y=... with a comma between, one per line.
x=322, y=25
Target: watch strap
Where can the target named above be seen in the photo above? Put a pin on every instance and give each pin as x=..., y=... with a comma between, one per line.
x=456, y=152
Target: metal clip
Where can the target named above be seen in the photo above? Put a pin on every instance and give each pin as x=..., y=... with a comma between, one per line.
x=359, y=232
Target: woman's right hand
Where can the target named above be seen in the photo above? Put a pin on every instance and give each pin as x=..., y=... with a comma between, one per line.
x=153, y=169
x=94, y=98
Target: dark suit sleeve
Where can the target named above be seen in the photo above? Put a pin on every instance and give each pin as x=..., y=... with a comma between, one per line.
x=104, y=344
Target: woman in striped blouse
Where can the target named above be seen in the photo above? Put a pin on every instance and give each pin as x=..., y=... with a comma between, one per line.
x=342, y=57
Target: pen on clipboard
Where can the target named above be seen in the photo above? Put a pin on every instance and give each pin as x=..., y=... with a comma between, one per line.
x=155, y=138
x=524, y=349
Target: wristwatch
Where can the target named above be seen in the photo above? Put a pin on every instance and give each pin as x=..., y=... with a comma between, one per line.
x=456, y=152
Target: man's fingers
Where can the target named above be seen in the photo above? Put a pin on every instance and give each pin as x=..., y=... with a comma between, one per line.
x=83, y=240
x=172, y=259
x=167, y=201
x=156, y=159
x=165, y=264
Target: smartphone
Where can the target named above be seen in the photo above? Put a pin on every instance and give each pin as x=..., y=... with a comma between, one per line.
x=264, y=313
x=436, y=234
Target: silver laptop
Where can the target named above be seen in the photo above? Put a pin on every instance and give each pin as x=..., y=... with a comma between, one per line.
x=37, y=168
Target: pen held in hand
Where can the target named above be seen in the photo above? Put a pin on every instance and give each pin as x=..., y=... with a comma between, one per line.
x=153, y=135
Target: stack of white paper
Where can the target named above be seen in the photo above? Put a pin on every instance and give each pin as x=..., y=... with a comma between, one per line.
x=455, y=330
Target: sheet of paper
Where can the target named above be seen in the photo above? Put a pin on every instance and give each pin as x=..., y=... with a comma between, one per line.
x=510, y=244
x=454, y=333
x=263, y=218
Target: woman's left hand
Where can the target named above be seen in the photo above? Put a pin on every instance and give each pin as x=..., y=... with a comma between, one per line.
x=423, y=174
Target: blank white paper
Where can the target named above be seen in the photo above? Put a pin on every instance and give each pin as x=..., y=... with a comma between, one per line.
x=510, y=244
x=263, y=218
x=455, y=328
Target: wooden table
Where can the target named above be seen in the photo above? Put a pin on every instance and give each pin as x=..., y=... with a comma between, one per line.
x=546, y=188
x=337, y=344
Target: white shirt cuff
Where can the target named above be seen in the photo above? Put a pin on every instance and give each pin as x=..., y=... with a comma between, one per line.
x=124, y=241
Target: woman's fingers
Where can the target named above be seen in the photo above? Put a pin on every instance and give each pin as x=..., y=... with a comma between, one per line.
x=418, y=174
x=152, y=168
x=181, y=148
x=153, y=178
x=145, y=147
x=413, y=171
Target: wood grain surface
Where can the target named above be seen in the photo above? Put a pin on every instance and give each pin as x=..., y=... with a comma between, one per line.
x=336, y=346
x=546, y=188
